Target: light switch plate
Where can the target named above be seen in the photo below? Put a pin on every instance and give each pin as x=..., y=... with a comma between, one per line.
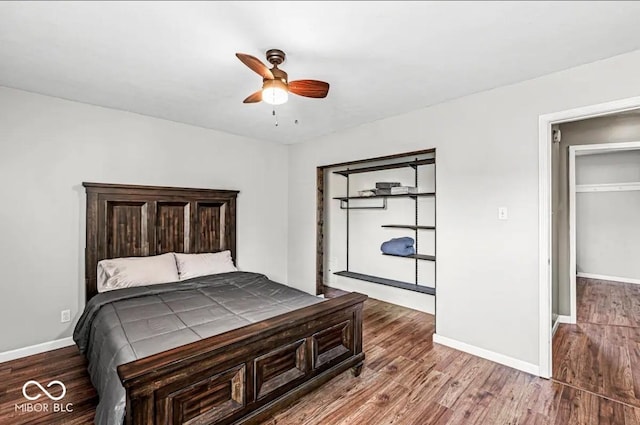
x=503, y=213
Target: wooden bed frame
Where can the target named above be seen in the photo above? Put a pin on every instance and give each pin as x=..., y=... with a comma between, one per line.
x=239, y=377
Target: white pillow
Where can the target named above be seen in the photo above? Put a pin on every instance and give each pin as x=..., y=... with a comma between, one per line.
x=194, y=265
x=117, y=273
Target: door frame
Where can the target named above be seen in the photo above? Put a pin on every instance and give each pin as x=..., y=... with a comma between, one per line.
x=544, y=212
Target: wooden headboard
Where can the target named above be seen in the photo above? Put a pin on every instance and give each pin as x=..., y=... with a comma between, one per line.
x=138, y=221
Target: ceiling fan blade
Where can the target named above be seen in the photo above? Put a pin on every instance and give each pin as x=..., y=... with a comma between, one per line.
x=256, y=65
x=309, y=88
x=254, y=98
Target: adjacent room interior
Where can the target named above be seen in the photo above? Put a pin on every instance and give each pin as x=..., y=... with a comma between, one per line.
x=319, y=213
x=596, y=165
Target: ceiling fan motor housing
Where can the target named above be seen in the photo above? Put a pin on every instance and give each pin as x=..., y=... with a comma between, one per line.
x=279, y=74
x=275, y=56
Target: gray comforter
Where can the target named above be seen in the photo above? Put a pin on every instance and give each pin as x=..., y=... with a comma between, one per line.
x=120, y=326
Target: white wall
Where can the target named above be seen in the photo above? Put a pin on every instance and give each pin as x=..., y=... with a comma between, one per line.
x=607, y=168
x=49, y=146
x=607, y=230
x=487, y=153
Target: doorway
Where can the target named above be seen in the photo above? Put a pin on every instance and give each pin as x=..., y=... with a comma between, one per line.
x=545, y=299
x=595, y=203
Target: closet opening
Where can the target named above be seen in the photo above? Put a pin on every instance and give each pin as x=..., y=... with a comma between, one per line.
x=376, y=228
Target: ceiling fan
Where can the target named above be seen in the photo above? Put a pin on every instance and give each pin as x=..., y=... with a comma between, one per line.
x=275, y=85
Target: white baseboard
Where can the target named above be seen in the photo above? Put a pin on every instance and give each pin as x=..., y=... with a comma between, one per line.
x=35, y=349
x=561, y=319
x=605, y=277
x=489, y=355
x=565, y=319
x=556, y=323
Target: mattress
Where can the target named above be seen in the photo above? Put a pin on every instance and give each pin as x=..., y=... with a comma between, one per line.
x=124, y=325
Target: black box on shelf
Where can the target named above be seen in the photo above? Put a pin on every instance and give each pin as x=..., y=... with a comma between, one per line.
x=386, y=185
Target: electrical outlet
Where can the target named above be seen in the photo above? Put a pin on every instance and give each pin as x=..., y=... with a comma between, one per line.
x=65, y=316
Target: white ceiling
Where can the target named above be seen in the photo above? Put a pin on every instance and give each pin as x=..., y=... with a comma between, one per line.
x=175, y=60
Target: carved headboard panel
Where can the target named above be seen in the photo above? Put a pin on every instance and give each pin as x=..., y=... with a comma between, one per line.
x=138, y=221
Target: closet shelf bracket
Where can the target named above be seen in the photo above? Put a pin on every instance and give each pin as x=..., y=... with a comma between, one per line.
x=344, y=205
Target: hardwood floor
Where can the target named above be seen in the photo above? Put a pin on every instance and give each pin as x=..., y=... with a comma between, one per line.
x=406, y=380
x=601, y=353
x=65, y=365
x=608, y=303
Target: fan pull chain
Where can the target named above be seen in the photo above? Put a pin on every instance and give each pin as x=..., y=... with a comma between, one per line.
x=275, y=117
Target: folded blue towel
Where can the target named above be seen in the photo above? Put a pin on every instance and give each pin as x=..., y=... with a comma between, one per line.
x=399, y=246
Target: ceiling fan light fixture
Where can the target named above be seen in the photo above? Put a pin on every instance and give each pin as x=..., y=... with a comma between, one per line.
x=275, y=82
x=275, y=92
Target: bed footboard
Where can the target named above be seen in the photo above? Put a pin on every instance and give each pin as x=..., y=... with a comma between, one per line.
x=245, y=375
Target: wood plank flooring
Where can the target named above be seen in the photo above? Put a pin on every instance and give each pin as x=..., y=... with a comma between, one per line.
x=601, y=353
x=406, y=380
x=608, y=303
x=66, y=365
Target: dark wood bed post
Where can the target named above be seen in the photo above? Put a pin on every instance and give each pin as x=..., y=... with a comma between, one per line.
x=239, y=377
